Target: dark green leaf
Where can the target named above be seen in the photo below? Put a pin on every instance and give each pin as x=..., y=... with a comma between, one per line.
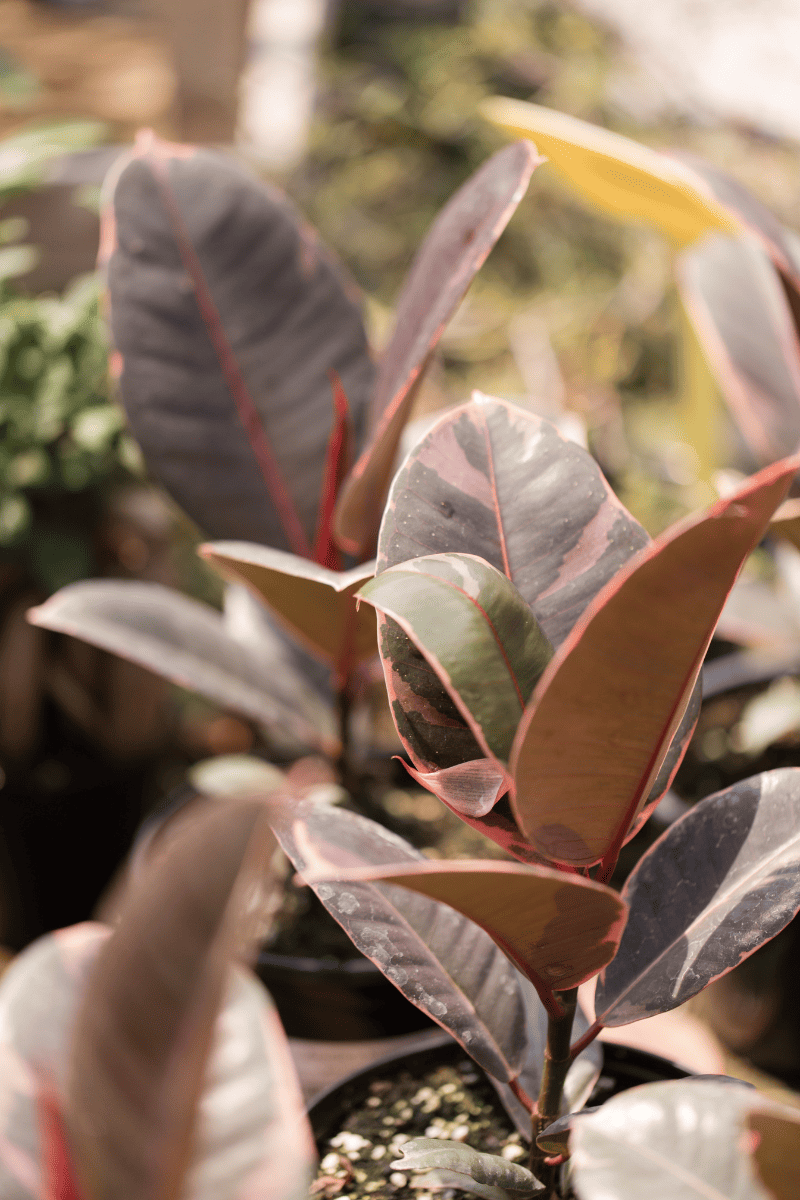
x=476, y=633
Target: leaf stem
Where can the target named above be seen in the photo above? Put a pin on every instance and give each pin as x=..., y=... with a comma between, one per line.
x=557, y=1059
x=586, y=1040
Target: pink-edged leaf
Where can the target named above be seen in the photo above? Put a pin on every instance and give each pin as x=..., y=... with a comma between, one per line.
x=187, y=642
x=314, y=603
x=452, y=253
x=337, y=464
x=147, y=1016
x=558, y=930
x=447, y=604
x=470, y=788
x=602, y=716
x=739, y=308
x=720, y=882
x=39, y=993
x=438, y=959
x=58, y=1182
x=227, y=316
x=493, y=480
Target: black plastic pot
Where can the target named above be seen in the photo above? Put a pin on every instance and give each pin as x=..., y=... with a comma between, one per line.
x=336, y=1002
x=319, y=999
x=623, y=1067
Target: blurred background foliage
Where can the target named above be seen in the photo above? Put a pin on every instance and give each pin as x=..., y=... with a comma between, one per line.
x=570, y=308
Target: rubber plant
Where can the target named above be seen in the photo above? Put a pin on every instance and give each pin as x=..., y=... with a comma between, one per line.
x=541, y=657
x=142, y=1061
x=247, y=380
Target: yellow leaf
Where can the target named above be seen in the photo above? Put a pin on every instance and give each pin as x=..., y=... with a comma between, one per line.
x=624, y=178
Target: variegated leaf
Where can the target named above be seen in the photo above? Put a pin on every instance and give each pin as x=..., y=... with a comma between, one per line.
x=439, y=960
x=620, y=683
x=720, y=882
x=186, y=642
x=738, y=305
x=477, y=634
x=683, y=1138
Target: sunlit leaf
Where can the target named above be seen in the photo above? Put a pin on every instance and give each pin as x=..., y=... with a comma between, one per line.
x=438, y=959
x=720, y=882
x=558, y=929
x=681, y=1139
x=314, y=603
x=620, y=683
x=623, y=177
x=492, y=480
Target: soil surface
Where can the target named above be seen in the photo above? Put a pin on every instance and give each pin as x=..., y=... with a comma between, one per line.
x=453, y=1102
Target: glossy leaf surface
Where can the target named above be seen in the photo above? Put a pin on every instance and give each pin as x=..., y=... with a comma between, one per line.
x=314, y=603
x=624, y=178
x=145, y=1024
x=452, y=253
x=739, y=309
x=491, y=480
x=475, y=632
x=716, y=885
x=438, y=959
x=620, y=682
x=228, y=316
x=559, y=930
x=663, y=1141
x=186, y=642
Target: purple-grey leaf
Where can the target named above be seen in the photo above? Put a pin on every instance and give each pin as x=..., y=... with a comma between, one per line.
x=453, y=251
x=228, y=316
x=184, y=641
x=716, y=885
x=738, y=306
x=438, y=959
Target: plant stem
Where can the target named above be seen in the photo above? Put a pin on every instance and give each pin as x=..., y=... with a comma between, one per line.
x=557, y=1059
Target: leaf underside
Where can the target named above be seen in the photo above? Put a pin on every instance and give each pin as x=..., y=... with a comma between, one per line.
x=621, y=682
